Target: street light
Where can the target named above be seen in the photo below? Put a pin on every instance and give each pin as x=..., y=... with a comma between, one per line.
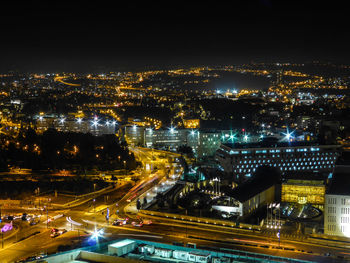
x=288, y=135
x=95, y=122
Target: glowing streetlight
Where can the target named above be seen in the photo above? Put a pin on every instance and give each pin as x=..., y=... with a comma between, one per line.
x=62, y=120
x=79, y=120
x=288, y=135
x=172, y=129
x=246, y=138
x=95, y=122
x=97, y=233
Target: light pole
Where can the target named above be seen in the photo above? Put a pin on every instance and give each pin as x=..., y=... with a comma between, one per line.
x=47, y=216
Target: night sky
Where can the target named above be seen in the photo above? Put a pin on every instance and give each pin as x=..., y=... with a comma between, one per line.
x=100, y=36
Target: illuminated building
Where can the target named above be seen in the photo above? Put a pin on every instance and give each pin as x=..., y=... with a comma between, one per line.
x=243, y=160
x=303, y=191
x=169, y=138
x=94, y=126
x=204, y=143
x=337, y=201
x=258, y=191
x=134, y=135
x=192, y=124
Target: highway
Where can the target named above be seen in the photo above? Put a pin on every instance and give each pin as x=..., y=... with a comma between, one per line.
x=88, y=216
x=60, y=79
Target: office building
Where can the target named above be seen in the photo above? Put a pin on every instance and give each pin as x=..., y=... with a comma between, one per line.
x=204, y=143
x=303, y=189
x=243, y=159
x=134, y=135
x=337, y=200
x=95, y=126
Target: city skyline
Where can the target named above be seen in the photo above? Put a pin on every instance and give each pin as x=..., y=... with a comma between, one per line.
x=201, y=132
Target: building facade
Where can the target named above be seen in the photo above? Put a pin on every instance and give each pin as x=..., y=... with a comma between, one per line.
x=84, y=125
x=304, y=192
x=244, y=161
x=337, y=200
x=134, y=135
x=337, y=215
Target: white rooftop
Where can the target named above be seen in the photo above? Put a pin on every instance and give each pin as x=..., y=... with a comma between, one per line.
x=122, y=243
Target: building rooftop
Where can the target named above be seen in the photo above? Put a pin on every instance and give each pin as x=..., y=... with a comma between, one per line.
x=273, y=144
x=305, y=176
x=340, y=184
x=122, y=243
x=264, y=178
x=344, y=159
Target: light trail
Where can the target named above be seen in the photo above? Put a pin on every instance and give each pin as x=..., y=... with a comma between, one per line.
x=69, y=219
x=140, y=235
x=60, y=79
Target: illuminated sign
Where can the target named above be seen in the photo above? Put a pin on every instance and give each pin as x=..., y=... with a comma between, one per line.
x=6, y=227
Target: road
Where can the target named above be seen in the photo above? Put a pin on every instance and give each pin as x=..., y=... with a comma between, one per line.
x=86, y=218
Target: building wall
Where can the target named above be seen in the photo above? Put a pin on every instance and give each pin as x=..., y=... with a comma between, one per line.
x=303, y=193
x=204, y=143
x=71, y=125
x=263, y=198
x=337, y=215
x=300, y=158
x=134, y=135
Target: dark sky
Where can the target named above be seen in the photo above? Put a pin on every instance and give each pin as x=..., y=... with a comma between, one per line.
x=100, y=36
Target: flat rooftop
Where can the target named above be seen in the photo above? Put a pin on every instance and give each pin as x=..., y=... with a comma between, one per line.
x=274, y=144
x=122, y=243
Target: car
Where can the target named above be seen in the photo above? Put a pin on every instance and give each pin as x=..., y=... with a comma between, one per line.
x=146, y=222
x=117, y=223
x=138, y=224
x=56, y=232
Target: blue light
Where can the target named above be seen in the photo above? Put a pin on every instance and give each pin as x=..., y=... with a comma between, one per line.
x=288, y=135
